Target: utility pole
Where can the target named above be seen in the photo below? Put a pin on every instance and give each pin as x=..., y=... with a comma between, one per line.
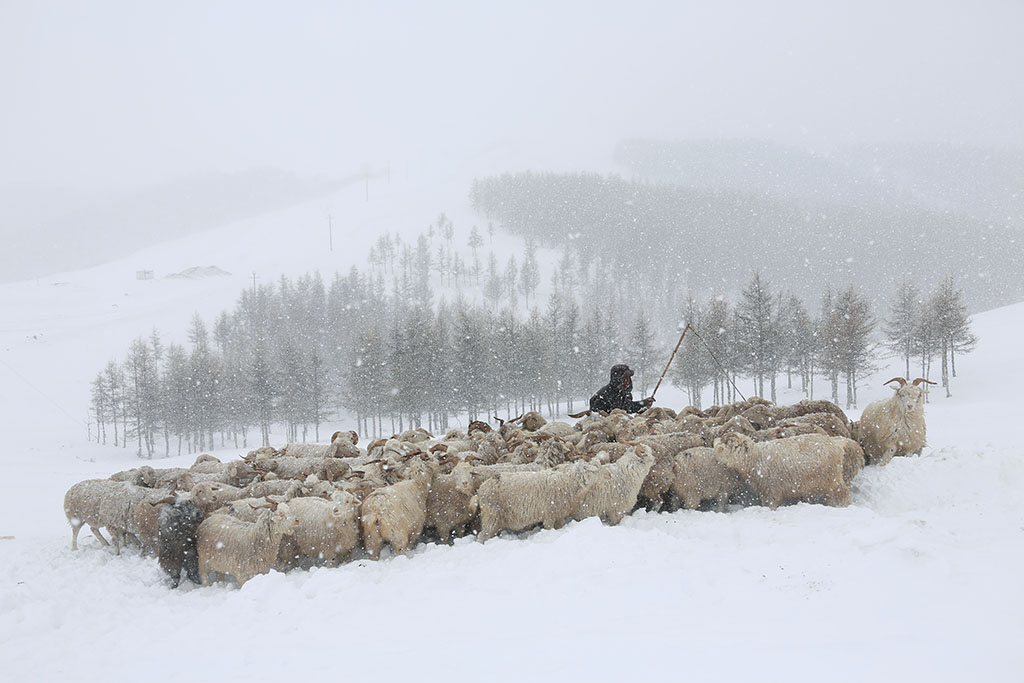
x=330, y=231
x=254, y=283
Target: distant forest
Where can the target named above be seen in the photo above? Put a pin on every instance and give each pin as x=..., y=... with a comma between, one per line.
x=668, y=240
x=381, y=345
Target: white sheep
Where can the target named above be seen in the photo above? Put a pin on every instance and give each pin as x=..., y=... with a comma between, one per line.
x=513, y=501
x=808, y=406
x=116, y=511
x=396, y=514
x=801, y=468
x=232, y=547
x=140, y=476
x=893, y=426
x=853, y=458
x=209, y=495
x=284, y=488
x=208, y=468
x=660, y=478
x=326, y=468
x=145, y=522
x=327, y=530
x=451, y=503
x=82, y=504
x=611, y=490
x=563, y=430
x=830, y=423
x=699, y=476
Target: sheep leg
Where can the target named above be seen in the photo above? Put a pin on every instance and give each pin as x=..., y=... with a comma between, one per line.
x=96, y=532
x=75, y=528
x=839, y=496
x=204, y=573
x=488, y=525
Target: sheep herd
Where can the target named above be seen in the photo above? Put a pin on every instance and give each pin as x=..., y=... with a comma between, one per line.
x=322, y=504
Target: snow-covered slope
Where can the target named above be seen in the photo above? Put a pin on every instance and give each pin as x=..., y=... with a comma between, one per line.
x=916, y=580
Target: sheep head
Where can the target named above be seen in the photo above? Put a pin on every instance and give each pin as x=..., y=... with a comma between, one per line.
x=910, y=396
x=733, y=447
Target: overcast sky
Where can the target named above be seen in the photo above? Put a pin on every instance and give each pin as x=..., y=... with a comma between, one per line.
x=109, y=94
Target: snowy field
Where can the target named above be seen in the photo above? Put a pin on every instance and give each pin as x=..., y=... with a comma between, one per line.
x=917, y=580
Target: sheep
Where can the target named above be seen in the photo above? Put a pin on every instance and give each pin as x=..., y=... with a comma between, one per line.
x=177, y=478
x=830, y=423
x=699, y=476
x=513, y=501
x=604, y=453
x=229, y=546
x=725, y=412
x=327, y=530
x=554, y=451
x=451, y=503
x=893, y=426
x=482, y=472
x=145, y=521
x=414, y=435
x=206, y=463
x=260, y=453
x=209, y=496
x=611, y=490
x=853, y=458
x=348, y=438
x=782, y=432
x=659, y=479
x=177, y=527
x=736, y=423
x=116, y=511
x=207, y=468
x=491, y=447
x=82, y=503
x=807, y=406
x=661, y=414
x=306, y=450
x=140, y=476
x=285, y=488
x=478, y=426
x=326, y=468
x=396, y=514
x=802, y=468
x=531, y=421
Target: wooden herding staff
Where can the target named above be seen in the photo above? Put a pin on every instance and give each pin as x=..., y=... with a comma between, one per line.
x=672, y=357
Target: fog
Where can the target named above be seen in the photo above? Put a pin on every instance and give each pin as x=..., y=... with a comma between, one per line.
x=106, y=95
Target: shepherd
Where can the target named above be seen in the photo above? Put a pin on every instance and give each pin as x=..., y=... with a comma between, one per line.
x=618, y=393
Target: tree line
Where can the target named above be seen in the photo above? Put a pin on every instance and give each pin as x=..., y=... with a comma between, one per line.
x=374, y=344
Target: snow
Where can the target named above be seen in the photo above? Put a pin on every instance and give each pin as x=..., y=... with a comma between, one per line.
x=917, y=579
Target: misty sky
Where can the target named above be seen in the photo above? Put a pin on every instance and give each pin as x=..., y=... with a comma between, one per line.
x=109, y=94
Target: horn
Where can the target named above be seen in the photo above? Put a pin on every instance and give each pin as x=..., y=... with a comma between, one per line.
x=922, y=379
x=335, y=436
x=902, y=381
x=168, y=499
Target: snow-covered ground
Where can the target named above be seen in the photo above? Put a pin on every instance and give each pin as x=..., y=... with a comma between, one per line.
x=916, y=580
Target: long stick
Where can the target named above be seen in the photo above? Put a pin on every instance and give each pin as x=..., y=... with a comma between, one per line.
x=672, y=357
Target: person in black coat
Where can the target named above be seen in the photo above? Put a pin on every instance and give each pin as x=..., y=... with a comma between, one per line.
x=618, y=393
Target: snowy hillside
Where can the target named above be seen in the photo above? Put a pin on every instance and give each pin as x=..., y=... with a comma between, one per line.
x=916, y=580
